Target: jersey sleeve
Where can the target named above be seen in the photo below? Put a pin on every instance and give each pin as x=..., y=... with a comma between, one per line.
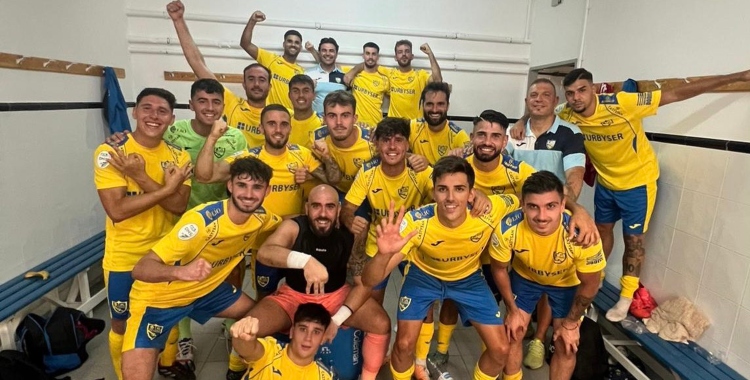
x=269, y=351
x=461, y=140
x=311, y=162
x=241, y=154
x=238, y=140
x=105, y=175
x=573, y=153
x=524, y=172
x=358, y=192
x=230, y=102
x=385, y=70
x=639, y=104
x=184, y=242
x=500, y=245
x=502, y=204
x=345, y=69
x=265, y=57
x=427, y=185
x=591, y=259
x=423, y=76
x=407, y=225
x=182, y=160
x=270, y=223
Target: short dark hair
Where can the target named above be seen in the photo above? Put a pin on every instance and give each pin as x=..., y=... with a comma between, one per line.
x=292, y=32
x=160, y=92
x=403, y=42
x=273, y=107
x=443, y=87
x=339, y=98
x=252, y=65
x=541, y=182
x=492, y=116
x=328, y=40
x=391, y=126
x=450, y=165
x=576, y=74
x=371, y=45
x=254, y=168
x=545, y=81
x=312, y=312
x=207, y=85
x=301, y=79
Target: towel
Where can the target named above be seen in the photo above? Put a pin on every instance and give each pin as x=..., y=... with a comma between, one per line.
x=677, y=320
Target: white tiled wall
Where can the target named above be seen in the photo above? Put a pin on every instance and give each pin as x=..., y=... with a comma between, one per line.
x=698, y=243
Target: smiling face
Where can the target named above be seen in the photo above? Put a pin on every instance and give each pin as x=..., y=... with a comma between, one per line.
x=435, y=108
x=276, y=128
x=488, y=140
x=541, y=100
x=392, y=149
x=322, y=209
x=370, y=56
x=152, y=115
x=292, y=45
x=404, y=55
x=328, y=54
x=207, y=107
x=256, y=83
x=301, y=95
x=247, y=194
x=543, y=212
x=452, y=194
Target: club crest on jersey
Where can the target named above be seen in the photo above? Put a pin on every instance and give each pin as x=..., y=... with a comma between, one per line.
x=358, y=162
x=476, y=238
x=263, y=281
x=219, y=151
x=376, y=83
x=165, y=164
x=403, y=192
x=120, y=307
x=558, y=257
x=292, y=166
x=153, y=330
x=403, y=303
x=550, y=144
x=497, y=189
x=442, y=149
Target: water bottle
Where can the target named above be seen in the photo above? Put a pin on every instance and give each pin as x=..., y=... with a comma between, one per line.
x=442, y=371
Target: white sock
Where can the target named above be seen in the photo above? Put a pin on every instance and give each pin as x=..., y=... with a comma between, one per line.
x=618, y=312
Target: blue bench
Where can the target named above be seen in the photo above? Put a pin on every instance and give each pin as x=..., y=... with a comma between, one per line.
x=73, y=263
x=681, y=359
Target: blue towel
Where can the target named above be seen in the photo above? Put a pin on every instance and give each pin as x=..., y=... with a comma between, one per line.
x=114, y=106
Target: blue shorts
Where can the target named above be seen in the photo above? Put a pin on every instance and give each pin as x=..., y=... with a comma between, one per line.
x=148, y=327
x=528, y=293
x=384, y=283
x=118, y=293
x=471, y=295
x=487, y=273
x=267, y=278
x=633, y=206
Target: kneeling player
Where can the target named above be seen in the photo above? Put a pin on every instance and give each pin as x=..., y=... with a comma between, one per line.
x=183, y=275
x=544, y=261
x=315, y=254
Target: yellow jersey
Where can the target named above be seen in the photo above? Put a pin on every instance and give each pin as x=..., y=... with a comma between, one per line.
x=286, y=196
x=303, y=130
x=548, y=260
x=281, y=73
x=276, y=365
x=409, y=189
x=240, y=114
x=129, y=240
x=405, y=91
x=351, y=159
x=434, y=145
x=204, y=232
x=451, y=254
x=507, y=178
x=369, y=89
x=615, y=140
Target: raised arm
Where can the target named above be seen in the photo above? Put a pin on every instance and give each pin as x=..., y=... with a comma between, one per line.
x=176, y=11
x=314, y=52
x=246, y=41
x=696, y=88
x=206, y=170
x=437, y=75
x=151, y=268
x=329, y=172
x=390, y=243
x=349, y=77
x=244, y=339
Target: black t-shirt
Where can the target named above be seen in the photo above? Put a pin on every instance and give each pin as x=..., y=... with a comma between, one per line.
x=332, y=251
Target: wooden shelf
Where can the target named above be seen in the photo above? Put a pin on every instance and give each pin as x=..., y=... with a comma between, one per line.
x=186, y=76
x=670, y=83
x=20, y=62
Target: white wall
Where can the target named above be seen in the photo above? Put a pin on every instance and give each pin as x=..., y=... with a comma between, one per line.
x=47, y=195
x=556, y=31
x=472, y=92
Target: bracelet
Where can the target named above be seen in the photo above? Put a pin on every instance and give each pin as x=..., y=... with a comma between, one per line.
x=566, y=328
x=297, y=260
x=341, y=315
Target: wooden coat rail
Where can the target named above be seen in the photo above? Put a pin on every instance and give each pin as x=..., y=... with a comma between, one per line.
x=186, y=76
x=670, y=83
x=20, y=62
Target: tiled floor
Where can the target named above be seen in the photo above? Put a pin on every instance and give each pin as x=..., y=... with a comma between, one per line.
x=211, y=353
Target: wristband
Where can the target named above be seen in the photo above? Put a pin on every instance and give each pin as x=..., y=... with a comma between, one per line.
x=297, y=260
x=341, y=315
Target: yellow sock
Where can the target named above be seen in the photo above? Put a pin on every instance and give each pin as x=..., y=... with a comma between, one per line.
x=115, y=351
x=406, y=375
x=479, y=375
x=236, y=363
x=517, y=376
x=628, y=286
x=423, y=342
x=445, y=332
x=169, y=354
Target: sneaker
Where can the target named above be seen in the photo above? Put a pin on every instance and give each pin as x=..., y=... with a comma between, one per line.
x=438, y=358
x=421, y=373
x=235, y=375
x=535, y=357
x=185, y=349
x=177, y=371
